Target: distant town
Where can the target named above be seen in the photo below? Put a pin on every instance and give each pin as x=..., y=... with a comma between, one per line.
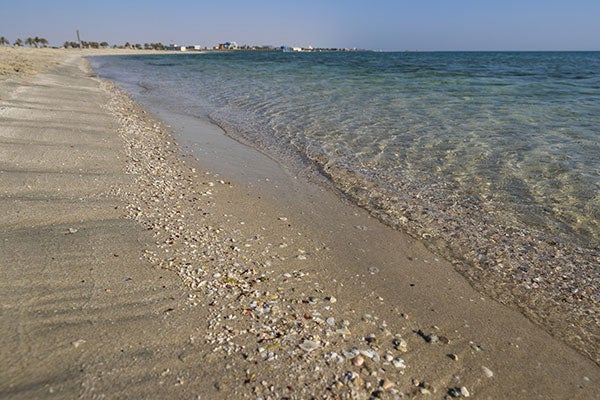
x=226, y=46
x=234, y=46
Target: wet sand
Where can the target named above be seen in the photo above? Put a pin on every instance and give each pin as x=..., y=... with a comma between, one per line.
x=131, y=270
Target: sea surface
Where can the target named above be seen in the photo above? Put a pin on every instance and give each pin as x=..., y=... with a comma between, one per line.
x=491, y=158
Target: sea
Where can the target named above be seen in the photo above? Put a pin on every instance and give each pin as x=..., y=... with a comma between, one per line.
x=490, y=158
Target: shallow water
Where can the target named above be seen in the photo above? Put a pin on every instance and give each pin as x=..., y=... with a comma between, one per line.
x=492, y=158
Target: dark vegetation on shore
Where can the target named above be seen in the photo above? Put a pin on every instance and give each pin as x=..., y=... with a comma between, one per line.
x=42, y=42
x=30, y=41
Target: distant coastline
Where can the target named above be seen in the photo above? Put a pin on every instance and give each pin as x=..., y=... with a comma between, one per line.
x=41, y=42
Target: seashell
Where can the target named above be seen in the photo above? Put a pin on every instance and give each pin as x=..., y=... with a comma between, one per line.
x=488, y=372
x=387, y=384
x=343, y=331
x=369, y=353
x=358, y=361
x=309, y=345
x=350, y=353
x=398, y=362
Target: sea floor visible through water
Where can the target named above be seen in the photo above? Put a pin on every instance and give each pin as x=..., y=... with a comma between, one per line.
x=487, y=158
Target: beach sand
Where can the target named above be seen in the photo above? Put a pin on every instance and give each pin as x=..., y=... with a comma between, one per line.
x=130, y=270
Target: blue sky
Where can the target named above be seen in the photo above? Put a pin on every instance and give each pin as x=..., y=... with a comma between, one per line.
x=374, y=24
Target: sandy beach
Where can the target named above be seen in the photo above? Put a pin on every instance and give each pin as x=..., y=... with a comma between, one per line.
x=132, y=270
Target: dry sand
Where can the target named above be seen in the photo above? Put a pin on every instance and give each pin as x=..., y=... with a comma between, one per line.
x=131, y=271
x=22, y=62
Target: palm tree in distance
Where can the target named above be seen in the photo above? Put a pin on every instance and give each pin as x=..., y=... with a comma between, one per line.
x=19, y=42
x=43, y=42
x=29, y=41
x=4, y=41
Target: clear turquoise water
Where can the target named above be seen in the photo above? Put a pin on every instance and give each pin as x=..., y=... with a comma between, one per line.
x=492, y=159
x=518, y=133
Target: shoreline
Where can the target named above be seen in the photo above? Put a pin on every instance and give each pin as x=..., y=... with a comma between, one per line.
x=548, y=278
x=263, y=287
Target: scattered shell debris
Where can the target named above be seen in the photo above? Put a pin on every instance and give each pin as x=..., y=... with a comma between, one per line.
x=267, y=321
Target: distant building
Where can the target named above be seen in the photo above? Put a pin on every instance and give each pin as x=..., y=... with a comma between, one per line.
x=228, y=46
x=175, y=47
x=296, y=48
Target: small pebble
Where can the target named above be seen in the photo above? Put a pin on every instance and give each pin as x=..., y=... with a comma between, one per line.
x=400, y=344
x=475, y=346
x=459, y=392
x=431, y=338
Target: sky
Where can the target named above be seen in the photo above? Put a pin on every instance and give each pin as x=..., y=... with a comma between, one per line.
x=424, y=25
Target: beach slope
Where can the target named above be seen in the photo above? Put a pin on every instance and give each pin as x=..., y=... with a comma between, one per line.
x=129, y=270
x=83, y=314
